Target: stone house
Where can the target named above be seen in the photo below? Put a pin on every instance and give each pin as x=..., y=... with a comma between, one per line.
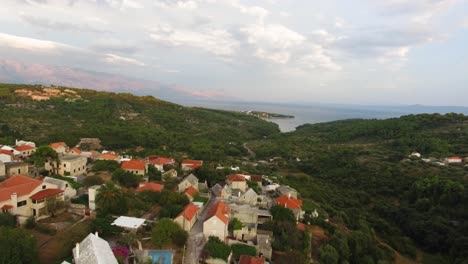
x=137, y=167
x=187, y=218
x=69, y=165
x=217, y=221
x=188, y=181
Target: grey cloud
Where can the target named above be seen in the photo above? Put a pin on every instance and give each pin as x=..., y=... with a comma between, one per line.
x=47, y=23
x=115, y=46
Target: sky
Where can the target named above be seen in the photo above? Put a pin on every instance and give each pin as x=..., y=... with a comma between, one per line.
x=353, y=52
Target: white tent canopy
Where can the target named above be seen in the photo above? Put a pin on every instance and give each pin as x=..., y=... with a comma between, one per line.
x=129, y=222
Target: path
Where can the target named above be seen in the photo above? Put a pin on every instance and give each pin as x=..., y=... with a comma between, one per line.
x=251, y=153
x=195, y=241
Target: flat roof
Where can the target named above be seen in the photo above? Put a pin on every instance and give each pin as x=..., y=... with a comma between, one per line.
x=129, y=222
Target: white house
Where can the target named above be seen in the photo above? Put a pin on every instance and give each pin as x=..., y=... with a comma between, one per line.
x=188, y=181
x=453, y=160
x=12, y=150
x=6, y=156
x=68, y=191
x=187, y=218
x=92, y=192
x=217, y=221
x=59, y=147
x=23, y=143
x=93, y=250
x=415, y=155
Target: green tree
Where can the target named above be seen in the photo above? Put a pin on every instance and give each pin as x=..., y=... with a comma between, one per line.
x=17, y=246
x=45, y=154
x=7, y=219
x=154, y=174
x=92, y=180
x=235, y=224
x=110, y=199
x=126, y=178
x=166, y=231
x=328, y=255
x=53, y=204
x=105, y=165
x=280, y=214
x=217, y=249
x=241, y=249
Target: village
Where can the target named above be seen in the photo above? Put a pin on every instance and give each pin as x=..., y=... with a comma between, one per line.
x=223, y=223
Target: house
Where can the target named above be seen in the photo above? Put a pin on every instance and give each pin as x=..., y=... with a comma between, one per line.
x=249, y=197
x=188, y=181
x=150, y=186
x=2, y=169
x=272, y=187
x=170, y=174
x=6, y=155
x=16, y=168
x=12, y=150
x=264, y=238
x=109, y=156
x=286, y=190
x=23, y=143
x=59, y=147
x=295, y=205
x=160, y=162
x=69, y=165
x=251, y=260
x=137, y=167
x=226, y=192
x=217, y=221
x=451, y=160
x=93, y=250
x=190, y=192
x=131, y=224
x=74, y=151
x=415, y=155
x=257, y=179
x=188, y=164
x=24, y=196
x=25, y=150
x=250, y=216
x=237, y=181
x=68, y=191
x=187, y=218
x=92, y=193
x=216, y=190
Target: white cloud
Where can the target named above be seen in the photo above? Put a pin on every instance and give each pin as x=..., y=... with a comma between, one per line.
x=272, y=42
x=115, y=59
x=217, y=41
x=30, y=44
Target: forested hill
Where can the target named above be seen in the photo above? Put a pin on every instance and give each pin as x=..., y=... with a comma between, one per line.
x=124, y=121
x=359, y=175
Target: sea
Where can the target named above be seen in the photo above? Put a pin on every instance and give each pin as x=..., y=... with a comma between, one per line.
x=311, y=113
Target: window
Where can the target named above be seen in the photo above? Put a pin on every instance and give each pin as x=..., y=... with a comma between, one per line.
x=43, y=187
x=64, y=165
x=19, y=171
x=66, y=185
x=22, y=203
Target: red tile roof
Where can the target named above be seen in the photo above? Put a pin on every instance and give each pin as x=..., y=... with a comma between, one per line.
x=189, y=212
x=109, y=156
x=45, y=193
x=133, y=165
x=150, y=186
x=75, y=149
x=455, y=158
x=220, y=210
x=161, y=161
x=191, y=191
x=21, y=185
x=24, y=148
x=192, y=163
x=56, y=145
x=235, y=178
x=6, y=207
x=289, y=202
x=256, y=178
x=251, y=260
x=6, y=152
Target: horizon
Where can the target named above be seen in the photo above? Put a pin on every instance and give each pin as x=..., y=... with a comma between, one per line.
x=386, y=53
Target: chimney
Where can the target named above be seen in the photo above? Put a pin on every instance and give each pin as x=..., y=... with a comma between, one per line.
x=14, y=201
x=77, y=250
x=96, y=234
x=289, y=195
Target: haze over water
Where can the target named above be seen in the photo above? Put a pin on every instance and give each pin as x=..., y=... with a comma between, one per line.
x=318, y=113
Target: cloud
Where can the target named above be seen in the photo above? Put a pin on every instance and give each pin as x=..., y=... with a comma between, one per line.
x=115, y=59
x=30, y=44
x=217, y=41
x=48, y=23
x=419, y=11
x=114, y=45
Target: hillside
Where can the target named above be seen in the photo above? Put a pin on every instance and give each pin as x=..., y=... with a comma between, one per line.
x=124, y=121
x=358, y=174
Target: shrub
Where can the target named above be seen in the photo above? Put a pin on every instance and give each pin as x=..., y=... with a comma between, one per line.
x=30, y=222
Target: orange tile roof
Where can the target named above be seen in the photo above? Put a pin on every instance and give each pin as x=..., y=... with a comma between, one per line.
x=289, y=202
x=455, y=158
x=6, y=152
x=161, y=161
x=150, y=186
x=75, y=149
x=191, y=191
x=21, y=185
x=134, y=165
x=45, y=193
x=220, y=210
x=189, y=212
x=109, y=156
x=24, y=148
x=56, y=145
x=192, y=163
x=256, y=178
x=251, y=260
x=235, y=178
x=6, y=207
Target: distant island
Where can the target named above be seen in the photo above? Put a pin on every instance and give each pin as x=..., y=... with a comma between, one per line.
x=266, y=114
